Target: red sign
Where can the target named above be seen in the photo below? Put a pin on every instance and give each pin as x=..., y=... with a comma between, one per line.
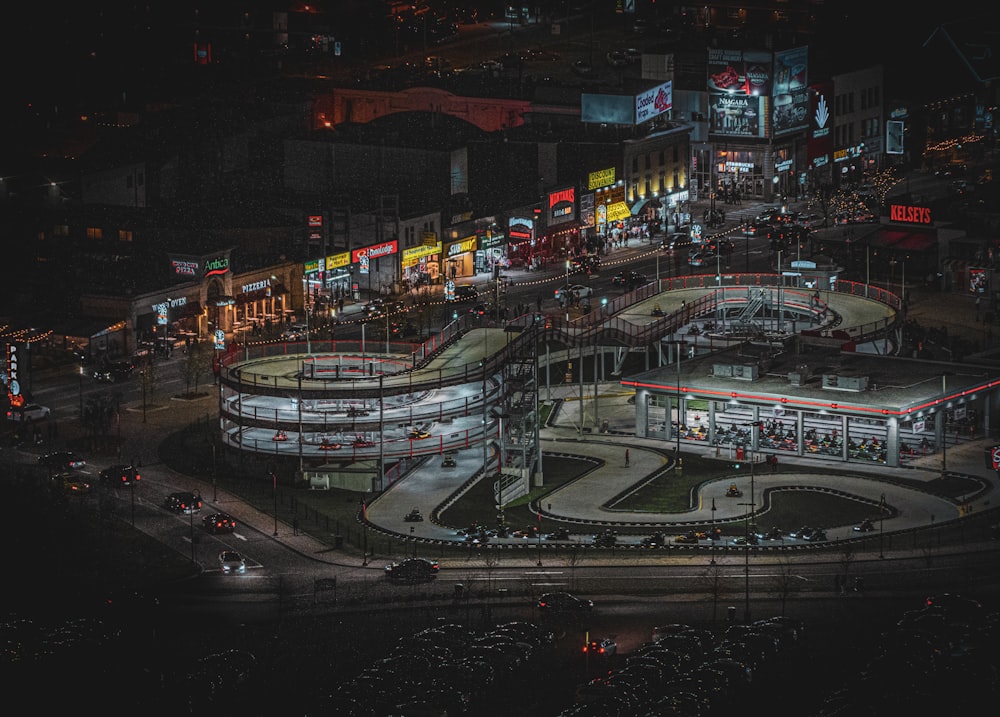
x=375, y=251
x=563, y=195
x=315, y=220
x=909, y=214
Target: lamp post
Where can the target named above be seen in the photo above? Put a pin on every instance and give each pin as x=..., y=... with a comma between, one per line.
x=746, y=560
x=191, y=521
x=881, y=517
x=712, y=562
x=81, y=393
x=274, y=496
x=142, y=378
x=944, y=423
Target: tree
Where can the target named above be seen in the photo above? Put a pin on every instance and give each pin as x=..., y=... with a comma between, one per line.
x=197, y=364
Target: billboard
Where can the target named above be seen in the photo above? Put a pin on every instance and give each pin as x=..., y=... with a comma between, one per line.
x=735, y=72
x=894, y=137
x=738, y=84
x=654, y=102
x=562, y=206
x=791, y=90
x=607, y=109
x=819, y=139
x=736, y=115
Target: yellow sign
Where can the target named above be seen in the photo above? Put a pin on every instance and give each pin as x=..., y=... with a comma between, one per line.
x=411, y=255
x=601, y=178
x=429, y=239
x=335, y=261
x=618, y=210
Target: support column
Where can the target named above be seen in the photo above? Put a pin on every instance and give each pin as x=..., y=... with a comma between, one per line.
x=892, y=442
x=642, y=413
x=711, y=423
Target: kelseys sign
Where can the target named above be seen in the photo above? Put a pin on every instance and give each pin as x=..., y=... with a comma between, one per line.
x=910, y=214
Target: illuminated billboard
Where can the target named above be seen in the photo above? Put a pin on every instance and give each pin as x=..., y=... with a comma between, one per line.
x=791, y=90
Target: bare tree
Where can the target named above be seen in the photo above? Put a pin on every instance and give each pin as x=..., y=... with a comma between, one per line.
x=197, y=364
x=786, y=582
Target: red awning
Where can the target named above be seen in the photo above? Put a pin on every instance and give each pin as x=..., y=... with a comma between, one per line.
x=903, y=240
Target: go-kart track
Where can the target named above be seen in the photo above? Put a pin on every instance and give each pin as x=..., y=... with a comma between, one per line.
x=339, y=403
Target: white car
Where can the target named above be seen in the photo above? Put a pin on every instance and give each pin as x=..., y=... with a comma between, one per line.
x=231, y=561
x=578, y=290
x=29, y=412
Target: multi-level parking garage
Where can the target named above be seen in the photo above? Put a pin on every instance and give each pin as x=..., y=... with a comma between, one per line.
x=342, y=412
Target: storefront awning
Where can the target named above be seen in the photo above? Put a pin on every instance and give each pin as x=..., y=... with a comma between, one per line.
x=248, y=297
x=641, y=205
x=903, y=240
x=190, y=309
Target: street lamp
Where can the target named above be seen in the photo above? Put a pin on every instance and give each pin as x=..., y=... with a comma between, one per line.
x=944, y=423
x=881, y=517
x=142, y=377
x=274, y=495
x=712, y=562
x=81, y=393
x=746, y=559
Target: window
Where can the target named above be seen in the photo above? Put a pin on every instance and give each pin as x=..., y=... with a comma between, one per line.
x=125, y=235
x=60, y=230
x=94, y=233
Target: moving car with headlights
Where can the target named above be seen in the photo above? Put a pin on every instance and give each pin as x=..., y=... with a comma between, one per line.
x=412, y=570
x=629, y=279
x=113, y=371
x=579, y=291
x=72, y=483
x=564, y=602
x=120, y=474
x=62, y=460
x=232, y=562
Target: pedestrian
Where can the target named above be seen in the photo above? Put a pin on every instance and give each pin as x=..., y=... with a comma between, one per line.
x=626, y=457
x=538, y=303
x=295, y=525
x=979, y=300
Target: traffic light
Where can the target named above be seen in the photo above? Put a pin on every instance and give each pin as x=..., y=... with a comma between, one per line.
x=735, y=466
x=604, y=301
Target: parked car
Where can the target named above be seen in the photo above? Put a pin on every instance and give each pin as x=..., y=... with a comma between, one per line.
x=183, y=502
x=412, y=570
x=120, y=474
x=583, y=68
x=62, y=460
x=617, y=58
x=564, y=602
x=219, y=523
x=29, y=412
x=232, y=562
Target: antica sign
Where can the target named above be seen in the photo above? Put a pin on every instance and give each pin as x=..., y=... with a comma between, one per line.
x=909, y=214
